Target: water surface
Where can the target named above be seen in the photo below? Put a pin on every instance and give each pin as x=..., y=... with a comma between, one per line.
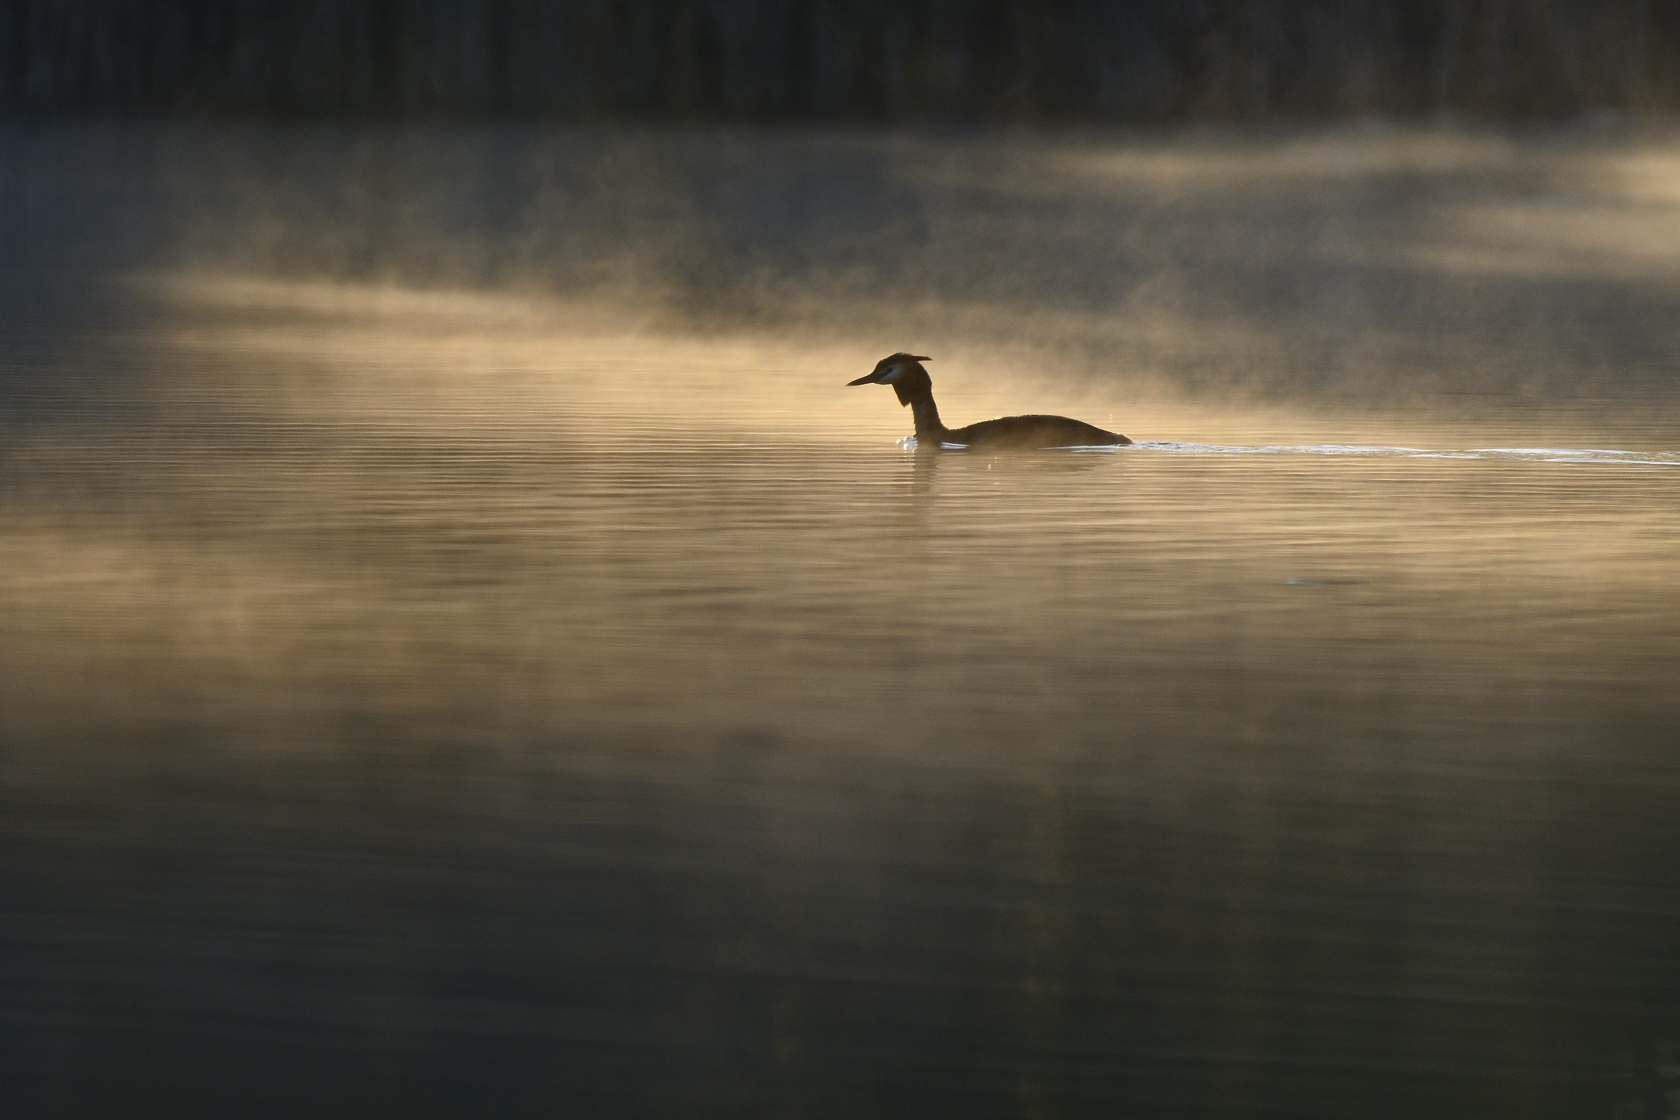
x=446, y=698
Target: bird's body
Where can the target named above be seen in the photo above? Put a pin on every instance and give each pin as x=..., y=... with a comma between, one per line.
x=1031, y=431
x=914, y=387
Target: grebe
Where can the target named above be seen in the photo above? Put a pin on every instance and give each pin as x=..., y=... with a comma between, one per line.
x=914, y=387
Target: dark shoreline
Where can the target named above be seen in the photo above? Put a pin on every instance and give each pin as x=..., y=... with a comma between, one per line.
x=839, y=60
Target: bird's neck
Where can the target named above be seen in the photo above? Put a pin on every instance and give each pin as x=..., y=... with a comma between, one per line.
x=927, y=416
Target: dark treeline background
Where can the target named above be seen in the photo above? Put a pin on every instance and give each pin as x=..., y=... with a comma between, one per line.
x=838, y=59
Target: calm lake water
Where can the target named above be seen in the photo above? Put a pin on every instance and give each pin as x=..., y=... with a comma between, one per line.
x=465, y=650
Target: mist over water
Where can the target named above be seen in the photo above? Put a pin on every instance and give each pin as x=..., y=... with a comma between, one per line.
x=466, y=649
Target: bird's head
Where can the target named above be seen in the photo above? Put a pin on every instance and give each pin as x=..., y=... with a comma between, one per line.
x=904, y=373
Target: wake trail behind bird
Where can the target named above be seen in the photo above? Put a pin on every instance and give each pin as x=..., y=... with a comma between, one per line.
x=1508, y=454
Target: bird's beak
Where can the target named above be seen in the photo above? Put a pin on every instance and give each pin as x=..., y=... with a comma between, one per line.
x=867, y=379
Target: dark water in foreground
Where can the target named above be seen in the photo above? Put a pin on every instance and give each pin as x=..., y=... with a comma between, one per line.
x=455, y=703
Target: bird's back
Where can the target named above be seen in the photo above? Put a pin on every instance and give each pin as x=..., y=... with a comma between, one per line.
x=1033, y=431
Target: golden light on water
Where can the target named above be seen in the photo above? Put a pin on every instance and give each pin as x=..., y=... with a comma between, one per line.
x=423, y=497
